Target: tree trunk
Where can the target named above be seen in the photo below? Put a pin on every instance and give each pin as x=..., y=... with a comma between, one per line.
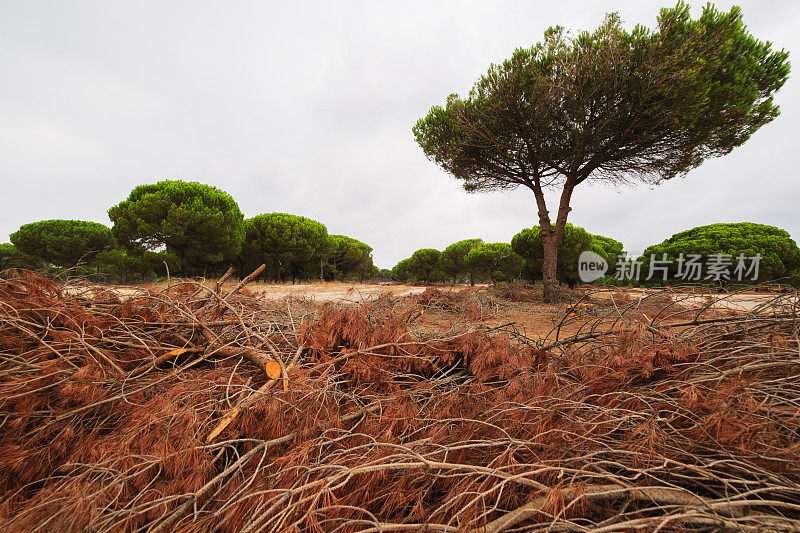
x=552, y=234
x=274, y=271
x=550, y=267
x=471, y=279
x=321, y=271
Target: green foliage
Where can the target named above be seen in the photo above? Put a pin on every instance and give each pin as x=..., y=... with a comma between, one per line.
x=608, y=248
x=453, y=260
x=347, y=257
x=8, y=252
x=374, y=273
x=497, y=261
x=117, y=263
x=282, y=241
x=645, y=104
x=402, y=271
x=158, y=263
x=780, y=255
x=610, y=105
x=198, y=223
x=121, y=265
x=11, y=257
x=528, y=244
x=424, y=264
x=63, y=242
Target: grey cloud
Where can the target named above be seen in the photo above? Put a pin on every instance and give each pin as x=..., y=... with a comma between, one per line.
x=308, y=107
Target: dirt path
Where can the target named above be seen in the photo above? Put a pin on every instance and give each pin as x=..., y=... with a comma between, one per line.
x=319, y=292
x=330, y=292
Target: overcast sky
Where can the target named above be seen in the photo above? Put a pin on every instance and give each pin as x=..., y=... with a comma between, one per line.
x=307, y=108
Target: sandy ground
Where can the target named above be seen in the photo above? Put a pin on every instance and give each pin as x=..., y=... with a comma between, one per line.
x=533, y=319
x=362, y=292
x=321, y=292
x=333, y=291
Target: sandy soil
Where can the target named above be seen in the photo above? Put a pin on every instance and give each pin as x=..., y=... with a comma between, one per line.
x=320, y=292
x=533, y=319
x=361, y=292
x=329, y=292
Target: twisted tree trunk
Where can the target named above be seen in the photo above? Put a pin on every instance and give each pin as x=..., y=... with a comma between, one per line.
x=552, y=234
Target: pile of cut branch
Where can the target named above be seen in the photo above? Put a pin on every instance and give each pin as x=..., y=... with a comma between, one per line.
x=197, y=409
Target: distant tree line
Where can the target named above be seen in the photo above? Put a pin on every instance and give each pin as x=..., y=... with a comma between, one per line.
x=197, y=230
x=472, y=260
x=190, y=229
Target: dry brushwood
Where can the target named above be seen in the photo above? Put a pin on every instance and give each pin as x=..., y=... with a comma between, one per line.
x=681, y=423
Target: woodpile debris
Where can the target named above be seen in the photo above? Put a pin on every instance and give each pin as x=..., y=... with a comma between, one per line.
x=199, y=409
